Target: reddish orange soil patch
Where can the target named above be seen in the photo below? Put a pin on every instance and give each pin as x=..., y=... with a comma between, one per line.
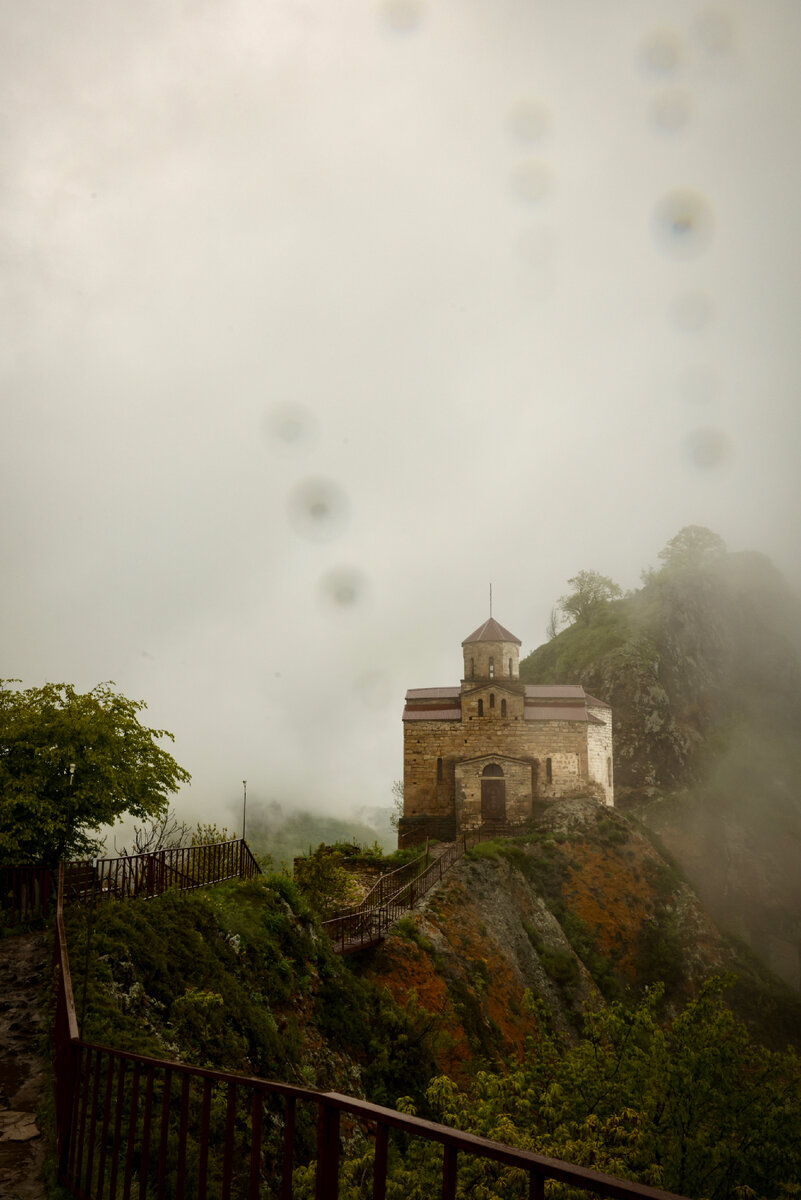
x=610, y=891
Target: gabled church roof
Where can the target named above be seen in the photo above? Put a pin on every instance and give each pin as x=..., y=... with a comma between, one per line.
x=491, y=631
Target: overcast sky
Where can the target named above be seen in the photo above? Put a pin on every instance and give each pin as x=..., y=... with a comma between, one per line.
x=320, y=317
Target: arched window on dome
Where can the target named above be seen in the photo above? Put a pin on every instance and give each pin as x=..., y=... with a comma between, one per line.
x=491, y=667
x=492, y=699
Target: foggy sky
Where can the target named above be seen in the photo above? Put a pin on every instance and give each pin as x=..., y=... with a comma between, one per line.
x=318, y=318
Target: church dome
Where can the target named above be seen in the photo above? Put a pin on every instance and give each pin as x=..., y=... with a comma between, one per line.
x=492, y=631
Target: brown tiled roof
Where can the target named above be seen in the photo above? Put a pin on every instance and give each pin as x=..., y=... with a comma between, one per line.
x=440, y=693
x=555, y=691
x=597, y=703
x=432, y=714
x=491, y=631
x=557, y=712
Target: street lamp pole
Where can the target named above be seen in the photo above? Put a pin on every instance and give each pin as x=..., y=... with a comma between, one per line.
x=244, y=805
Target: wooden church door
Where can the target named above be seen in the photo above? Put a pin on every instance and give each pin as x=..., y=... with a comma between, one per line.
x=493, y=794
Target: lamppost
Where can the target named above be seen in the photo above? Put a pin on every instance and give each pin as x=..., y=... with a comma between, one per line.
x=244, y=805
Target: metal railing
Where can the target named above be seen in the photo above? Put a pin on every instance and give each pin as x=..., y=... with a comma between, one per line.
x=133, y=1125
x=367, y=923
x=26, y=892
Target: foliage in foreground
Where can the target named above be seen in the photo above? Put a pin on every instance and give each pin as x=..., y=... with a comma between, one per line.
x=70, y=763
x=696, y=1108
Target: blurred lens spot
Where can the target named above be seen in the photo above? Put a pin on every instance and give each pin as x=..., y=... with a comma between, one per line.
x=661, y=52
x=683, y=223
x=318, y=510
x=698, y=385
x=290, y=424
x=530, y=182
x=528, y=121
x=343, y=587
x=401, y=16
x=375, y=689
x=693, y=311
x=716, y=32
x=670, y=110
x=707, y=448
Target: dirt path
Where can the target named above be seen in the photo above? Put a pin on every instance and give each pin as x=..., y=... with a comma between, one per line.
x=24, y=1074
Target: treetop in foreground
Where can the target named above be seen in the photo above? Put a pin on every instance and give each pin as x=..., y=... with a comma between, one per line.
x=71, y=763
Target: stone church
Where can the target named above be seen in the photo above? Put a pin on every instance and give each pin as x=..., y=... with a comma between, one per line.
x=483, y=753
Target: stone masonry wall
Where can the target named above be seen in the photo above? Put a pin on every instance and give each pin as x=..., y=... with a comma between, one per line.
x=564, y=742
x=478, y=654
x=517, y=778
x=599, y=747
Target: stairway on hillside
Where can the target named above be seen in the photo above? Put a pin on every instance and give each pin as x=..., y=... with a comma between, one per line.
x=24, y=1073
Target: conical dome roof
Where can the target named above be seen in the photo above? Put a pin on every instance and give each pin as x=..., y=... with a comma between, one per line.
x=492, y=631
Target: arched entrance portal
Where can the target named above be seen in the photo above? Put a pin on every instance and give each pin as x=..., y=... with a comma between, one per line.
x=493, y=794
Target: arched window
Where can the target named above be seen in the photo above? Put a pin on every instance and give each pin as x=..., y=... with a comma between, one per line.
x=439, y=770
x=510, y=668
x=492, y=699
x=503, y=708
x=481, y=708
x=491, y=667
x=609, y=771
x=548, y=771
x=472, y=668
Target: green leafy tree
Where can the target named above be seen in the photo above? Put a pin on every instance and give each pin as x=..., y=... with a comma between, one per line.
x=323, y=880
x=693, y=546
x=71, y=763
x=695, y=1108
x=591, y=592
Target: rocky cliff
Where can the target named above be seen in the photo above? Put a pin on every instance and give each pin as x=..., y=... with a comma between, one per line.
x=703, y=672
x=583, y=911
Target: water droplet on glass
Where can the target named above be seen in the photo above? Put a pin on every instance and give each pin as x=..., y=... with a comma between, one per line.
x=707, y=448
x=401, y=16
x=528, y=121
x=290, y=425
x=530, y=182
x=661, y=51
x=693, y=311
x=343, y=588
x=318, y=510
x=683, y=223
x=671, y=110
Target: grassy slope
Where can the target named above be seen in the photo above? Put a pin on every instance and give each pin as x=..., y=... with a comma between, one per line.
x=239, y=977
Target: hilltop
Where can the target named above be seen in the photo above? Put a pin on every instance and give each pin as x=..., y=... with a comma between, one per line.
x=552, y=992
x=703, y=672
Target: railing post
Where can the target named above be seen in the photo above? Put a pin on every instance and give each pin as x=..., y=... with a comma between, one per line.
x=327, y=1152
x=448, y=1173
